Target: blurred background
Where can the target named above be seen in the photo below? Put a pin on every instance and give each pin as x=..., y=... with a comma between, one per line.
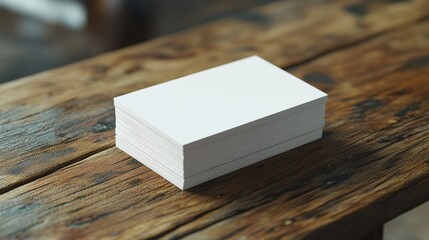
x=37, y=35
x=41, y=34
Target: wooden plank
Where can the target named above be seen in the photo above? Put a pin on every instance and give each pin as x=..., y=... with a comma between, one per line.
x=370, y=166
x=58, y=117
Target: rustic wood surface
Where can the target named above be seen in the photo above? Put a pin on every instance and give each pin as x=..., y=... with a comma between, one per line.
x=61, y=176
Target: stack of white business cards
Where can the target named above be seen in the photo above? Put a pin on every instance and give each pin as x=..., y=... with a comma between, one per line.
x=210, y=123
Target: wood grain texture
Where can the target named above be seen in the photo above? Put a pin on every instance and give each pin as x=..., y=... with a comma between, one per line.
x=59, y=117
x=372, y=164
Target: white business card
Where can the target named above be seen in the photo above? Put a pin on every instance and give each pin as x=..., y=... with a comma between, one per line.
x=219, y=99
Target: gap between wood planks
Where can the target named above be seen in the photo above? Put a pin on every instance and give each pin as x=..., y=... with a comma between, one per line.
x=288, y=67
x=352, y=44
x=53, y=170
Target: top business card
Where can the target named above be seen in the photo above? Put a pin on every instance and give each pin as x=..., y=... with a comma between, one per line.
x=203, y=104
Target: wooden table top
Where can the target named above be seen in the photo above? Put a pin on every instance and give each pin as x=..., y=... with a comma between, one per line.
x=61, y=175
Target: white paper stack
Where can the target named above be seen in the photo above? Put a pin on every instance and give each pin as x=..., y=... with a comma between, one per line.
x=210, y=123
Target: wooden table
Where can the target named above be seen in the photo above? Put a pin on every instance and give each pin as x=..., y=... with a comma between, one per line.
x=61, y=175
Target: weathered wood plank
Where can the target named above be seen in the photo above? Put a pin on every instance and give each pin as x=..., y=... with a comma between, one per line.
x=371, y=165
x=59, y=117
